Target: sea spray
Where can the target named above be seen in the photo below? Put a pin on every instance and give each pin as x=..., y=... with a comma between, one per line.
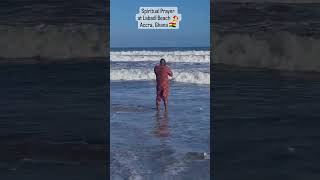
x=193, y=77
x=170, y=56
x=282, y=51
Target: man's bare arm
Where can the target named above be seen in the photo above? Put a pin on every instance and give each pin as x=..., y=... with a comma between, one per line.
x=170, y=72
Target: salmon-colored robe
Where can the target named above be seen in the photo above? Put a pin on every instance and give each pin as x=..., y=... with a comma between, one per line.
x=162, y=72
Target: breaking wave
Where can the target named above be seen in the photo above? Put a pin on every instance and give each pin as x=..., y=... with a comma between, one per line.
x=282, y=51
x=172, y=56
x=53, y=41
x=139, y=74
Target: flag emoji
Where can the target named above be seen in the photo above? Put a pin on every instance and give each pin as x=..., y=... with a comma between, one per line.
x=173, y=22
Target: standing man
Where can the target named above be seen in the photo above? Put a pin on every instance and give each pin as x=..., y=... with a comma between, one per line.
x=162, y=72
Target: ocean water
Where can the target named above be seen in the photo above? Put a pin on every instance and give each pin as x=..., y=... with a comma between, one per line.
x=150, y=145
x=266, y=91
x=267, y=35
x=266, y=124
x=53, y=29
x=53, y=90
x=265, y=96
x=52, y=121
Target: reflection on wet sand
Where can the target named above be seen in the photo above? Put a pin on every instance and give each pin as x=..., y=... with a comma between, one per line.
x=162, y=125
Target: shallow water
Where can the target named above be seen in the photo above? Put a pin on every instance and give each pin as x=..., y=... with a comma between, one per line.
x=266, y=124
x=166, y=145
x=153, y=145
x=52, y=121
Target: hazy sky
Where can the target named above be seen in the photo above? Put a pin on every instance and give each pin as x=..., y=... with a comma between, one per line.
x=194, y=28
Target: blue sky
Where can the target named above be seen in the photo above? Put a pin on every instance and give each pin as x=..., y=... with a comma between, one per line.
x=194, y=28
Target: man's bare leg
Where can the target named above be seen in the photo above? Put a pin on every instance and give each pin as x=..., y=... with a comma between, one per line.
x=158, y=105
x=165, y=101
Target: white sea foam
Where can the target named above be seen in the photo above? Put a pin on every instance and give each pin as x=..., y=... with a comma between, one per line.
x=139, y=74
x=283, y=51
x=172, y=56
x=51, y=41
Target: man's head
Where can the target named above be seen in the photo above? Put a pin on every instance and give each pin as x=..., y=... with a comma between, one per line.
x=163, y=62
